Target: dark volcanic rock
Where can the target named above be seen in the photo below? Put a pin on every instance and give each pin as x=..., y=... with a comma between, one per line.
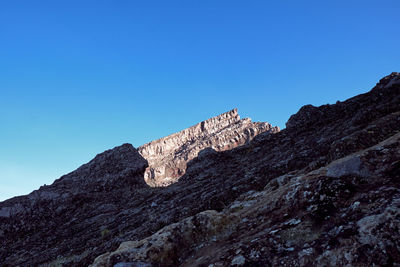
x=120, y=166
x=74, y=210
x=325, y=191
x=391, y=80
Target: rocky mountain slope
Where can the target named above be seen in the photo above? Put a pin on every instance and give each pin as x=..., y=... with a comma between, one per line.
x=168, y=156
x=325, y=191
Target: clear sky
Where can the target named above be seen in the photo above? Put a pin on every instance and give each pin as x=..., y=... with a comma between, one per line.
x=80, y=77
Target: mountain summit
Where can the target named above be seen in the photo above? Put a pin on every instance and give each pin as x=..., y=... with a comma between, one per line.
x=325, y=191
x=168, y=156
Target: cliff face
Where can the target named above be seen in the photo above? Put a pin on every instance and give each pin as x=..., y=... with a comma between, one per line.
x=168, y=156
x=325, y=191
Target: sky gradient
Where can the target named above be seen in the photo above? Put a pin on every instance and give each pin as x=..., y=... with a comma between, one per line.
x=80, y=77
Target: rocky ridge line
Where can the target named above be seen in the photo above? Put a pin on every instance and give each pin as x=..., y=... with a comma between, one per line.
x=168, y=156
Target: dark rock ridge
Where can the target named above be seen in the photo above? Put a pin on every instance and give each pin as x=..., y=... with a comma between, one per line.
x=168, y=156
x=114, y=167
x=325, y=191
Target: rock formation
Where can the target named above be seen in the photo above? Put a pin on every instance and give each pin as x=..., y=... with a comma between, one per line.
x=325, y=191
x=338, y=215
x=168, y=156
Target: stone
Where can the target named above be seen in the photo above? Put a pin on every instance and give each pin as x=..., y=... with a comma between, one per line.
x=238, y=261
x=389, y=81
x=5, y=212
x=132, y=264
x=161, y=248
x=347, y=166
x=168, y=156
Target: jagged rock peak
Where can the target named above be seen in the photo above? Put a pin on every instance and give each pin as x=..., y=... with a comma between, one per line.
x=388, y=81
x=168, y=156
x=308, y=116
x=165, y=145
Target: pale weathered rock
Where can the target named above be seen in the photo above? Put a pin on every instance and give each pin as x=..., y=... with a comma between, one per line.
x=168, y=156
x=347, y=166
x=165, y=247
x=238, y=261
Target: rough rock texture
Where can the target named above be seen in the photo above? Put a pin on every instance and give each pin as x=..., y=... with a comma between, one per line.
x=323, y=192
x=168, y=156
x=112, y=168
x=351, y=218
x=162, y=246
x=73, y=213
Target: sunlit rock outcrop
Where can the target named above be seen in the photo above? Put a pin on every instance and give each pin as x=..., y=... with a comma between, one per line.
x=168, y=156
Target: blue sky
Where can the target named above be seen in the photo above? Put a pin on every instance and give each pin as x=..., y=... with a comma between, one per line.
x=80, y=77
